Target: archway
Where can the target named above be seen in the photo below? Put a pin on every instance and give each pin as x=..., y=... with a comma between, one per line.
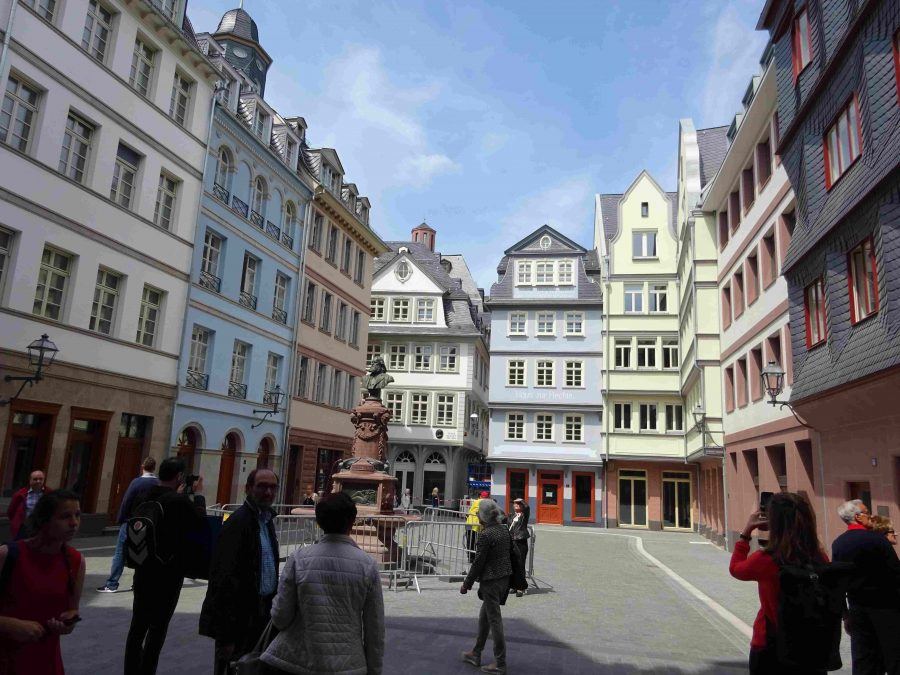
x=405, y=471
x=226, y=468
x=435, y=476
x=186, y=446
x=264, y=454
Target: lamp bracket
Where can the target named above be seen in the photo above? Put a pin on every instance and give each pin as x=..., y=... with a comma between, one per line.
x=786, y=404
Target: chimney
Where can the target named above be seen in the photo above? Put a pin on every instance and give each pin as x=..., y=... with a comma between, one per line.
x=424, y=235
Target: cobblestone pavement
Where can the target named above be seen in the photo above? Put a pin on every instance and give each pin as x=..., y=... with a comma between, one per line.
x=602, y=606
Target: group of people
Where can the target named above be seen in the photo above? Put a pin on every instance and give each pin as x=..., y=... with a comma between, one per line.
x=860, y=583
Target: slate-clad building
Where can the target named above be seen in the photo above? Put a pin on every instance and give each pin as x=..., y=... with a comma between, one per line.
x=838, y=81
x=546, y=372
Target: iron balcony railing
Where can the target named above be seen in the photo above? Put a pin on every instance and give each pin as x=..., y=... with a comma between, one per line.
x=273, y=230
x=210, y=281
x=237, y=390
x=239, y=207
x=279, y=315
x=221, y=193
x=247, y=300
x=196, y=380
x=258, y=220
x=287, y=240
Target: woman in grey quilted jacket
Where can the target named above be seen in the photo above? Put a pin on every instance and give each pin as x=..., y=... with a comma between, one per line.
x=329, y=608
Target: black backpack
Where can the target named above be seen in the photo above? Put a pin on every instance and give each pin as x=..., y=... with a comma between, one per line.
x=810, y=608
x=142, y=536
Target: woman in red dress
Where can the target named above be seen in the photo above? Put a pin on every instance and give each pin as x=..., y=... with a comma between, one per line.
x=40, y=588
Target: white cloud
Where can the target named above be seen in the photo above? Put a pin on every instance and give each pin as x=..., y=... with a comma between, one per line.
x=419, y=170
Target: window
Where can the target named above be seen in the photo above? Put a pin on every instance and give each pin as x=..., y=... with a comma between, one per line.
x=773, y=345
x=397, y=357
x=212, y=250
x=124, y=174
x=340, y=325
x=674, y=418
x=622, y=416
x=44, y=8
x=448, y=358
x=106, y=297
x=353, y=339
x=543, y=427
x=279, y=300
x=373, y=351
x=425, y=310
x=97, y=24
x=403, y=271
x=181, y=98
x=76, y=147
x=141, y=67
x=634, y=298
x=17, y=117
x=802, y=51
x=337, y=378
x=167, y=7
x=863, y=281
x=321, y=383
x=754, y=377
x=347, y=256
x=515, y=427
x=523, y=273
x=325, y=318
x=517, y=323
x=670, y=353
x=544, y=374
x=564, y=273
x=248, y=281
x=260, y=119
x=394, y=402
x=422, y=357
x=646, y=353
x=643, y=244
x=729, y=388
x=726, y=306
x=515, y=373
x=360, y=271
x=843, y=143
x=741, y=381
x=623, y=353
x=545, y=323
x=769, y=259
x=165, y=201
x=645, y=209
x=273, y=370
x=309, y=303
x=197, y=362
x=543, y=272
x=574, y=374
x=400, y=310
x=763, y=163
x=376, y=305
x=723, y=229
x=658, y=298
x=815, y=313
x=223, y=169
x=738, y=297
x=647, y=414
x=445, y=410
x=574, y=429
x=258, y=196
x=315, y=232
x=574, y=323
x=290, y=220
x=734, y=211
x=418, y=409
x=303, y=377
x=148, y=318
x=748, y=185
x=53, y=278
x=5, y=245
x=751, y=270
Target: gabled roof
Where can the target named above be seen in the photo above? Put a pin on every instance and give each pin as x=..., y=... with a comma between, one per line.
x=331, y=156
x=713, y=146
x=555, y=249
x=609, y=212
x=426, y=260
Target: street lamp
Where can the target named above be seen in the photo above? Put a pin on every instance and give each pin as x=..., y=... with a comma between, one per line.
x=273, y=398
x=773, y=382
x=41, y=354
x=473, y=423
x=699, y=417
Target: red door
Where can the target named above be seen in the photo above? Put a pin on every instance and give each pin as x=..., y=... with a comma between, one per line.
x=226, y=469
x=550, y=497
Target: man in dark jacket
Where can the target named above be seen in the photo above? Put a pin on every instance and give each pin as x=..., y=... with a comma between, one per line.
x=244, y=575
x=23, y=503
x=874, y=593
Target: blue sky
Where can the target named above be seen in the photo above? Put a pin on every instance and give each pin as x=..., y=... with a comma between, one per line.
x=488, y=119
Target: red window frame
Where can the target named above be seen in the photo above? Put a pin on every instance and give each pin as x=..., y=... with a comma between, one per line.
x=835, y=126
x=817, y=288
x=797, y=53
x=592, y=517
x=869, y=302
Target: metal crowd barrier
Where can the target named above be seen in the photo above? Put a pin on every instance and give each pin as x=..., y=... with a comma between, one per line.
x=436, y=514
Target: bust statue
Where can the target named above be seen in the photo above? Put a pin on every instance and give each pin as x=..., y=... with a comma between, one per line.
x=376, y=379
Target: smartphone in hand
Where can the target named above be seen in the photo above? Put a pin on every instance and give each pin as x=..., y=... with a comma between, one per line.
x=764, y=499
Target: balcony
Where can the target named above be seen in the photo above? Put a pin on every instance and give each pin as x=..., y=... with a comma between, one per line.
x=239, y=207
x=237, y=390
x=273, y=230
x=257, y=219
x=210, y=282
x=196, y=380
x=247, y=300
x=279, y=315
x=287, y=240
x=221, y=193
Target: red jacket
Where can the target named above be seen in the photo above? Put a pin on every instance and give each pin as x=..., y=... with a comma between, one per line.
x=16, y=511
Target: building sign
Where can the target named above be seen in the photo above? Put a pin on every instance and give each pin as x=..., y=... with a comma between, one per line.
x=446, y=434
x=713, y=452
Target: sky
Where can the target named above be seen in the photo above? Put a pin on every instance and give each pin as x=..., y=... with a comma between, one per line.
x=490, y=119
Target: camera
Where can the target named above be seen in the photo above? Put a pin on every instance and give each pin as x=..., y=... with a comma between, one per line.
x=764, y=499
x=189, y=481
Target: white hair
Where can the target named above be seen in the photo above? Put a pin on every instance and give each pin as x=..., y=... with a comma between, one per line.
x=488, y=512
x=849, y=510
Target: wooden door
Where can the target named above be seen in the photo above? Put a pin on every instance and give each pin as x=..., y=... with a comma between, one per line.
x=84, y=455
x=128, y=467
x=516, y=487
x=550, y=497
x=226, y=474
x=290, y=483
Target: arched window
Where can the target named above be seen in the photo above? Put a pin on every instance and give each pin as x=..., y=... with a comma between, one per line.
x=405, y=457
x=264, y=454
x=223, y=169
x=290, y=219
x=258, y=198
x=435, y=458
x=187, y=443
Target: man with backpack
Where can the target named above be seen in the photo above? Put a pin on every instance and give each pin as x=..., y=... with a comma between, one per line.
x=163, y=534
x=873, y=620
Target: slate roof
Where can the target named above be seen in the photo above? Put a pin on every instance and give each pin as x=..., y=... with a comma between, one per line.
x=238, y=22
x=713, y=146
x=609, y=213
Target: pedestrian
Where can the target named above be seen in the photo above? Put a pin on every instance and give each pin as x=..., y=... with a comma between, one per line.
x=135, y=491
x=158, y=580
x=329, y=608
x=473, y=526
x=315, y=498
x=435, y=498
x=492, y=569
x=884, y=526
x=406, y=500
x=518, y=530
x=792, y=541
x=309, y=500
x=244, y=574
x=23, y=502
x=41, y=578
x=873, y=619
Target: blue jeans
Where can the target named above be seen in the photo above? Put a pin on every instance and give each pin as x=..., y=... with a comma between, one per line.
x=118, y=561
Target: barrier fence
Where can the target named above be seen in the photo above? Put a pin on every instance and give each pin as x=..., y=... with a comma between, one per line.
x=437, y=545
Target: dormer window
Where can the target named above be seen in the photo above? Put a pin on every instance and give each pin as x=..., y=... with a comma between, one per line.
x=259, y=123
x=336, y=184
x=290, y=146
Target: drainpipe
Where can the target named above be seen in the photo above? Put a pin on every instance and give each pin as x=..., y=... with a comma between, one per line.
x=822, y=479
x=604, y=384
x=7, y=37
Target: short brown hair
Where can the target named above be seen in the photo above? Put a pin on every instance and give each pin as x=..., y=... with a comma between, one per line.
x=880, y=524
x=149, y=464
x=335, y=513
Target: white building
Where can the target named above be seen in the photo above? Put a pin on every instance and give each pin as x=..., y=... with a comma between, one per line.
x=102, y=150
x=427, y=323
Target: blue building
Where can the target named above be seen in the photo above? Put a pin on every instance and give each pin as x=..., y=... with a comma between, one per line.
x=545, y=375
x=240, y=323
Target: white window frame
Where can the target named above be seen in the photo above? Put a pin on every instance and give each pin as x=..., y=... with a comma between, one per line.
x=52, y=277
x=515, y=422
x=325, y=312
x=279, y=299
x=545, y=373
x=516, y=373
x=97, y=29
x=22, y=112
x=574, y=323
x=517, y=320
x=448, y=358
x=445, y=410
x=649, y=408
x=544, y=424
x=124, y=179
x=273, y=372
x=672, y=417
x=6, y=239
x=670, y=352
x=149, y=316
x=574, y=428
x=398, y=358
x=545, y=272
x=425, y=310
x=644, y=245
x=541, y=322
x=395, y=401
x=212, y=252
x=378, y=307
x=143, y=63
x=166, y=198
x=623, y=412
x=574, y=374
x=423, y=358
x=648, y=351
x=565, y=274
x=106, y=296
x=401, y=304
x=78, y=133
x=419, y=407
x=199, y=354
x=659, y=296
x=634, y=292
x=622, y=347
x=524, y=273
x=180, y=102
x=373, y=351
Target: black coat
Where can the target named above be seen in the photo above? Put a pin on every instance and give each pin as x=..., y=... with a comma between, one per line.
x=232, y=597
x=519, y=531
x=876, y=582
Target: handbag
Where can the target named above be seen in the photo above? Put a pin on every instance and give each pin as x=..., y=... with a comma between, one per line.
x=251, y=663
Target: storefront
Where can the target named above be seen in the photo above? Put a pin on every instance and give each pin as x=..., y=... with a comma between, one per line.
x=557, y=494
x=652, y=495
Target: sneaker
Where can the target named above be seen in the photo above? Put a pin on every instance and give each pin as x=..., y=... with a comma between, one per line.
x=108, y=589
x=520, y=594
x=472, y=658
x=494, y=668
